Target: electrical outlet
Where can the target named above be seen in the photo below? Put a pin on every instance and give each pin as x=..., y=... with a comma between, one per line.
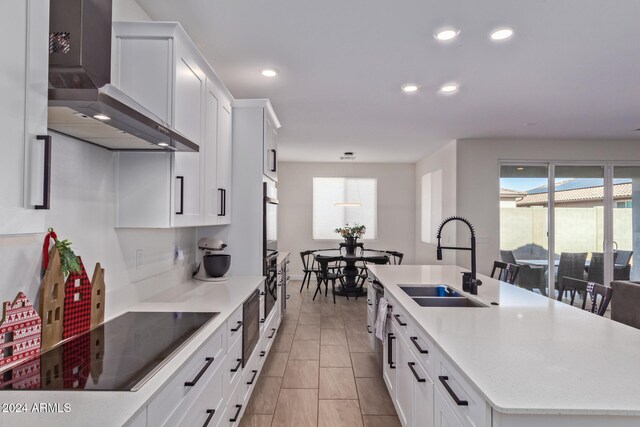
x=138, y=258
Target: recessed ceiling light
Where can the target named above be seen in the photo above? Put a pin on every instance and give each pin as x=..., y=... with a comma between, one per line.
x=449, y=88
x=102, y=117
x=81, y=115
x=269, y=72
x=410, y=87
x=446, y=34
x=163, y=144
x=520, y=168
x=501, y=33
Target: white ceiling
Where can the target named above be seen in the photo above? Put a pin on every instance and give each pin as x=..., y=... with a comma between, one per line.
x=572, y=69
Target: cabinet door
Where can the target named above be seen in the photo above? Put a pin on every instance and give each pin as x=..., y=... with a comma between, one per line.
x=404, y=383
x=443, y=414
x=422, y=398
x=211, y=196
x=390, y=359
x=23, y=114
x=224, y=163
x=188, y=206
x=270, y=155
x=189, y=89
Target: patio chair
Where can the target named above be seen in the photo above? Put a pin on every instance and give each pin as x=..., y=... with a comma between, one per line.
x=596, y=268
x=529, y=277
x=506, y=272
x=600, y=295
x=625, y=302
x=508, y=257
x=624, y=257
x=571, y=265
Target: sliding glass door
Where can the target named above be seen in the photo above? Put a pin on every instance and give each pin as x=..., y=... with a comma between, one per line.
x=570, y=220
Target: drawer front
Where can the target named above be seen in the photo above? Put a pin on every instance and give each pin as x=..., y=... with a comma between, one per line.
x=424, y=350
x=234, y=364
x=188, y=382
x=422, y=397
x=466, y=402
x=371, y=297
x=234, y=411
x=249, y=378
x=209, y=406
x=400, y=319
x=234, y=326
x=371, y=328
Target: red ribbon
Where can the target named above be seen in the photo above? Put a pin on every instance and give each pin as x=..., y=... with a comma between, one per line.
x=45, y=247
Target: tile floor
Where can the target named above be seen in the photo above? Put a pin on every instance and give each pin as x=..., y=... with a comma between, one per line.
x=321, y=371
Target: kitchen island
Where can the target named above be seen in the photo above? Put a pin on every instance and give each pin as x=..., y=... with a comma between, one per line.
x=520, y=359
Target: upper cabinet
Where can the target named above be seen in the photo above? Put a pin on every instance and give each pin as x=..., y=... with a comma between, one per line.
x=270, y=155
x=25, y=161
x=160, y=68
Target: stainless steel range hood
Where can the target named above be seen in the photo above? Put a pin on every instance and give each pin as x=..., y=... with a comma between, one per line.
x=82, y=102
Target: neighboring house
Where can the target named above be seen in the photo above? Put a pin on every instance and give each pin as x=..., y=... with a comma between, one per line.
x=579, y=192
x=20, y=329
x=509, y=198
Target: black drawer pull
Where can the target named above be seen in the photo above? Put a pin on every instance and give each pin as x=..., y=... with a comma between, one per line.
x=262, y=293
x=400, y=322
x=235, y=418
x=193, y=382
x=390, y=338
x=443, y=379
x=288, y=296
x=208, y=420
x=237, y=366
x=415, y=374
x=237, y=328
x=273, y=332
x=414, y=340
x=275, y=160
x=369, y=329
x=262, y=353
x=369, y=302
x=46, y=187
x=253, y=377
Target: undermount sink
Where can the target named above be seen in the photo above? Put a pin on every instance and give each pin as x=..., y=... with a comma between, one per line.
x=438, y=295
x=459, y=301
x=430, y=291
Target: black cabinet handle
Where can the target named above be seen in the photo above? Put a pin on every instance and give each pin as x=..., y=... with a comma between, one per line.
x=237, y=328
x=46, y=187
x=443, y=379
x=415, y=374
x=222, y=201
x=368, y=329
x=275, y=160
x=261, y=320
x=369, y=302
x=273, y=332
x=193, y=382
x=262, y=293
x=400, y=322
x=235, y=418
x=208, y=420
x=414, y=340
x=237, y=366
x=253, y=377
x=181, y=211
x=390, y=338
x=262, y=353
x=288, y=296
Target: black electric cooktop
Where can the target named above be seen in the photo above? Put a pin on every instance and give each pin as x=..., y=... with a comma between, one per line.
x=120, y=355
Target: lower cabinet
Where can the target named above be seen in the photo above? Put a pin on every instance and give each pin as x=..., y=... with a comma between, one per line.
x=443, y=414
x=414, y=389
x=389, y=359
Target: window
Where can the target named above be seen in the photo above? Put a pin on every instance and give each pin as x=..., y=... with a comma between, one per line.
x=362, y=192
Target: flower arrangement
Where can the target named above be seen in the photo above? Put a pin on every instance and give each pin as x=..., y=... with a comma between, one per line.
x=353, y=231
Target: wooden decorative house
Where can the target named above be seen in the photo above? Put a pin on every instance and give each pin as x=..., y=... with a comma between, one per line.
x=77, y=303
x=52, y=302
x=19, y=331
x=97, y=296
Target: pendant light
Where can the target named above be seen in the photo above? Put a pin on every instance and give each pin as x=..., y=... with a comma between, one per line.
x=349, y=155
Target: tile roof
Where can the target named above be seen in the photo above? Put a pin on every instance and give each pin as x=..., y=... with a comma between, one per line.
x=620, y=191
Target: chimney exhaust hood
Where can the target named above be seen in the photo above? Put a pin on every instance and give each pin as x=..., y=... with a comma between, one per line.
x=82, y=102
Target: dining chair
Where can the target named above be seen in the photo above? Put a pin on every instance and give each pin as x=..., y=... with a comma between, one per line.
x=325, y=275
x=359, y=248
x=600, y=295
x=377, y=260
x=571, y=266
x=309, y=267
x=506, y=272
x=625, y=302
x=395, y=257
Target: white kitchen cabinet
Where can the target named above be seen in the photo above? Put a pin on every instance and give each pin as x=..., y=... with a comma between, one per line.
x=389, y=359
x=160, y=68
x=270, y=147
x=404, y=383
x=422, y=398
x=23, y=116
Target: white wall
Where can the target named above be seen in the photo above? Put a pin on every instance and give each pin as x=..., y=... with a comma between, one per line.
x=83, y=211
x=478, y=180
x=396, y=206
x=443, y=160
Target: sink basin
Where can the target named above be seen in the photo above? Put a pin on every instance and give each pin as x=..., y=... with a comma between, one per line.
x=456, y=301
x=430, y=291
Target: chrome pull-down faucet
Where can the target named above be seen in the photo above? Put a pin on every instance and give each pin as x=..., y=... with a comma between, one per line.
x=469, y=282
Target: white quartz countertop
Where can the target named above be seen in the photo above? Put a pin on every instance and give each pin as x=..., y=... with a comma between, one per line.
x=104, y=408
x=530, y=354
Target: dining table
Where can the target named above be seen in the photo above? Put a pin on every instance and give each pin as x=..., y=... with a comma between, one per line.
x=351, y=272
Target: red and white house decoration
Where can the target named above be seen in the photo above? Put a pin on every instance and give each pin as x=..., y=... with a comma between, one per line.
x=19, y=331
